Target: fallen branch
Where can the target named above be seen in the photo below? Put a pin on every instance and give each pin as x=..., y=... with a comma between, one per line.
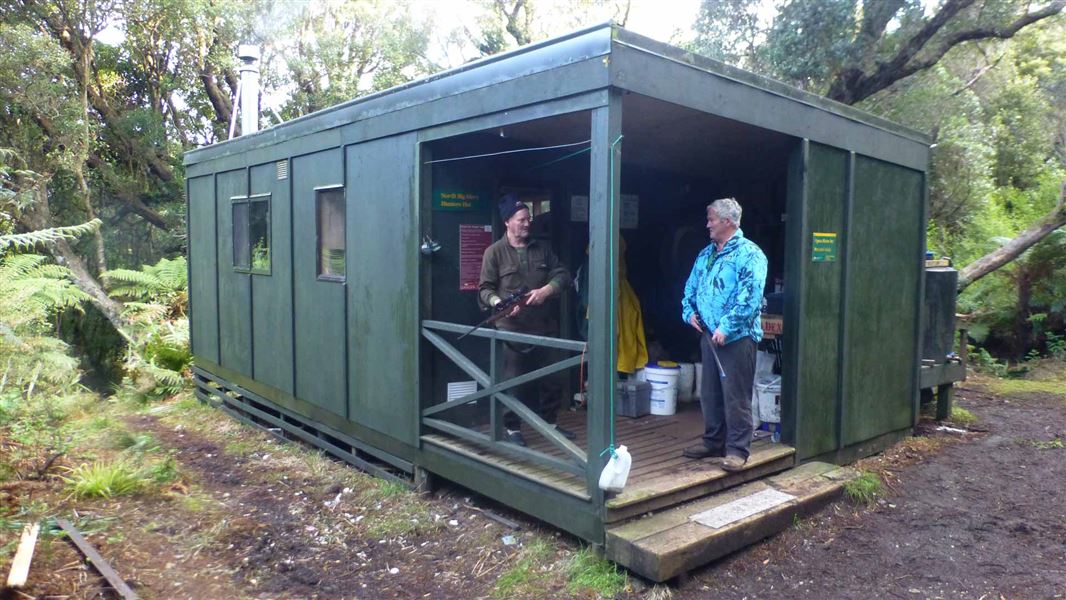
x=96, y=560
x=495, y=517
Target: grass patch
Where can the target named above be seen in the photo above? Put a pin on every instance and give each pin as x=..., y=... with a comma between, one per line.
x=105, y=480
x=528, y=576
x=864, y=489
x=592, y=573
x=134, y=442
x=406, y=516
x=1052, y=444
x=1010, y=387
x=384, y=490
x=961, y=416
x=164, y=471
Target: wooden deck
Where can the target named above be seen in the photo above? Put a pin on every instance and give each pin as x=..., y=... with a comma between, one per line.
x=660, y=476
x=693, y=534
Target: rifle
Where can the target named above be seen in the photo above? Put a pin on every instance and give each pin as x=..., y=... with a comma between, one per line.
x=518, y=297
x=710, y=342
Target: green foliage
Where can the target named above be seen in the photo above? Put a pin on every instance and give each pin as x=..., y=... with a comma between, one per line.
x=1052, y=444
x=527, y=577
x=864, y=489
x=159, y=353
x=1056, y=345
x=164, y=471
x=809, y=41
x=31, y=239
x=105, y=480
x=134, y=442
x=983, y=361
x=165, y=282
x=961, y=416
x=591, y=573
x=336, y=51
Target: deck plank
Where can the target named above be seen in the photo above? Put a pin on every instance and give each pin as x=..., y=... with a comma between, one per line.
x=671, y=543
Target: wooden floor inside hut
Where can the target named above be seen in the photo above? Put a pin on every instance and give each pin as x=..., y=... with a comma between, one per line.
x=660, y=475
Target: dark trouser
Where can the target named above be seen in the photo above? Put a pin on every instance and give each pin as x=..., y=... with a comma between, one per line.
x=726, y=403
x=543, y=395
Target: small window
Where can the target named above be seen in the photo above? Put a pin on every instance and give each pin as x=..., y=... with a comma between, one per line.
x=242, y=258
x=329, y=214
x=251, y=234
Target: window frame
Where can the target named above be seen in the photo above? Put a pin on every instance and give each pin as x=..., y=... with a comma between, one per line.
x=249, y=201
x=319, y=276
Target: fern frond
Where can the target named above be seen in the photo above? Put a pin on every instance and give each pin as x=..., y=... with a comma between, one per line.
x=167, y=381
x=173, y=274
x=30, y=239
x=18, y=265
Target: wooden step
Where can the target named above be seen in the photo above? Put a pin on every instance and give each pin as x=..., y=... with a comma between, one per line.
x=678, y=540
x=691, y=479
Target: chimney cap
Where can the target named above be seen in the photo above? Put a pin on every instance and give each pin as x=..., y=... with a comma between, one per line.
x=248, y=52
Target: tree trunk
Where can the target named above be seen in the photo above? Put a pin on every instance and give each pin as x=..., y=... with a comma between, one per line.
x=1014, y=248
x=1022, y=327
x=39, y=217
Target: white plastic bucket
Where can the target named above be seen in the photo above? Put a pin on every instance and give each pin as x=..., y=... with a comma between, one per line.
x=755, y=417
x=684, y=382
x=663, y=401
x=663, y=380
x=769, y=392
x=697, y=391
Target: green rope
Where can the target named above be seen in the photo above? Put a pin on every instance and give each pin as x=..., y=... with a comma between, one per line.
x=611, y=280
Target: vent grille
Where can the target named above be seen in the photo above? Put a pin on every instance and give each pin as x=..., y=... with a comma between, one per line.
x=283, y=169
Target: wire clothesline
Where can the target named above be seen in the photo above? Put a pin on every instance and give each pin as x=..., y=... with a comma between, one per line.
x=430, y=162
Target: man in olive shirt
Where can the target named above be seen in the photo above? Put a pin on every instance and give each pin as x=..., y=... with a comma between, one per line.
x=514, y=262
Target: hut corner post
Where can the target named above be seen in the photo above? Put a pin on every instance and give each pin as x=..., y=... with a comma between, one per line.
x=604, y=181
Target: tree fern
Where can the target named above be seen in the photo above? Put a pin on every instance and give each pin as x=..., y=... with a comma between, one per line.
x=27, y=241
x=165, y=282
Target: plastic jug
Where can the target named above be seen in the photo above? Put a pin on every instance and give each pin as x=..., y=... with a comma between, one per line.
x=614, y=475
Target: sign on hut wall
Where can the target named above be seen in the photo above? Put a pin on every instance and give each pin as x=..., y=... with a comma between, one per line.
x=449, y=200
x=473, y=239
x=823, y=247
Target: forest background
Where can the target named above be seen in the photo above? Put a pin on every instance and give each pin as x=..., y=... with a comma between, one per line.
x=100, y=98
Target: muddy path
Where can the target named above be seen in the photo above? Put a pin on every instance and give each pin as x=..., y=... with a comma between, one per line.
x=984, y=516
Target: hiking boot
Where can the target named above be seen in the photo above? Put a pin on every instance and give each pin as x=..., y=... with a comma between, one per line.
x=701, y=451
x=733, y=463
x=515, y=437
x=566, y=433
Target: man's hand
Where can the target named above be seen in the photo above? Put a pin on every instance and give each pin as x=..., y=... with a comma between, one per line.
x=718, y=337
x=695, y=322
x=539, y=295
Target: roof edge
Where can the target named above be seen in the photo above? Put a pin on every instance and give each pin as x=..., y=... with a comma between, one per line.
x=269, y=133
x=635, y=40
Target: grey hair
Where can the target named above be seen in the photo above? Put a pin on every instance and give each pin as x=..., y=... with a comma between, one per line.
x=728, y=209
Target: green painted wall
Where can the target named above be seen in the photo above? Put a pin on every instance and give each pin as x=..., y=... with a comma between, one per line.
x=383, y=292
x=318, y=306
x=234, y=289
x=826, y=194
x=203, y=268
x=883, y=287
x=272, y=294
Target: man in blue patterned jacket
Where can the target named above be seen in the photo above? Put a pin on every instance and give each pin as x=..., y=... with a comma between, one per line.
x=723, y=299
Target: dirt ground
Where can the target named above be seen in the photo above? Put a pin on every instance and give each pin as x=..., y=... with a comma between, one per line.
x=981, y=516
x=964, y=515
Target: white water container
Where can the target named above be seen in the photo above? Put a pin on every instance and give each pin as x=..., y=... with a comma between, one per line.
x=697, y=392
x=769, y=392
x=685, y=381
x=663, y=378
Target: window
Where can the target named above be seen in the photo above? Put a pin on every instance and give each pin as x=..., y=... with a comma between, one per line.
x=251, y=234
x=329, y=215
